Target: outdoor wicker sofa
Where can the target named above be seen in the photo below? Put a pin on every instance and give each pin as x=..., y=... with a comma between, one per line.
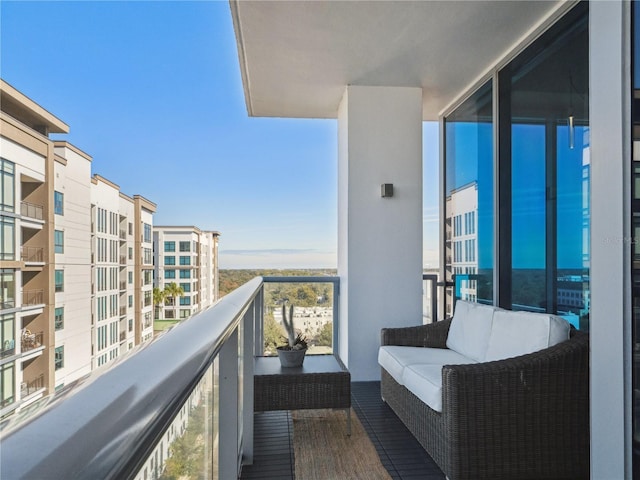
x=525, y=417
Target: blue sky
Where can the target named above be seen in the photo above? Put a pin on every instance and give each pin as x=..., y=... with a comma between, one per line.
x=152, y=91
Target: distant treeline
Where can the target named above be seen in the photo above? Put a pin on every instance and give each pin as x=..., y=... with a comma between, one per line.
x=232, y=279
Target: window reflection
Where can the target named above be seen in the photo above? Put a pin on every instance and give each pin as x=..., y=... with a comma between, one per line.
x=469, y=200
x=547, y=109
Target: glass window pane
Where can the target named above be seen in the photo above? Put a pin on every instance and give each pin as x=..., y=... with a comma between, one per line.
x=546, y=110
x=469, y=194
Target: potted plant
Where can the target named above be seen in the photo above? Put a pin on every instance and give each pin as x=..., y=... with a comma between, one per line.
x=291, y=354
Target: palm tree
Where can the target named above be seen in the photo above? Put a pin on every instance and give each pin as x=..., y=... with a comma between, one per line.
x=158, y=299
x=172, y=290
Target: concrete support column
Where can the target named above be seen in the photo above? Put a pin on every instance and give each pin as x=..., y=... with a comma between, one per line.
x=379, y=239
x=610, y=319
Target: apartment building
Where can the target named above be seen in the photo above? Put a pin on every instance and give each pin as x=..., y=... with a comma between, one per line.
x=28, y=280
x=187, y=256
x=122, y=270
x=72, y=263
x=76, y=276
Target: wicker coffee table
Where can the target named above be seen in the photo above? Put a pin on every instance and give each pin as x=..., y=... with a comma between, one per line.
x=321, y=382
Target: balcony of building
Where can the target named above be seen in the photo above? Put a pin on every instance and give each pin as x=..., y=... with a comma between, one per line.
x=30, y=388
x=32, y=299
x=32, y=256
x=180, y=385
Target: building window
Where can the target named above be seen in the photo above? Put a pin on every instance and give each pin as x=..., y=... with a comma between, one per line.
x=58, y=203
x=58, y=241
x=7, y=186
x=185, y=246
x=7, y=384
x=130, y=278
x=545, y=147
x=147, y=258
x=170, y=260
x=185, y=300
x=185, y=260
x=59, y=318
x=184, y=313
x=59, y=357
x=169, y=246
x=186, y=287
x=59, y=280
x=130, y=253
x=7, y=238
x=146, y=233
x=169, y=274
x=185, y=273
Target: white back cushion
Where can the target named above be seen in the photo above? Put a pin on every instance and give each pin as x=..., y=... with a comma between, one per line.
x=470, y=329
x=518, y=333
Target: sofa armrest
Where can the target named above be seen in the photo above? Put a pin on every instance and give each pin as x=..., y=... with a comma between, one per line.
x=528, y=405
x=432, y=335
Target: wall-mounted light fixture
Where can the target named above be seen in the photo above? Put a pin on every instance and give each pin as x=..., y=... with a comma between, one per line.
x=386, y=190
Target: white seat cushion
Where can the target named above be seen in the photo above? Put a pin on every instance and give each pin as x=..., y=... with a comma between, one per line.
x=425, y=382
x=470, y=329
x=519, y=333
x=394, y=358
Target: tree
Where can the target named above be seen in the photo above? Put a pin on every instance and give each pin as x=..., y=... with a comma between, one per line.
x=158, y=299
x=273, y=334
x=325, y=336
x=173, y=291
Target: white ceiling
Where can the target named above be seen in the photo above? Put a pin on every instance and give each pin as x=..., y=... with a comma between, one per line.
x=296, y=57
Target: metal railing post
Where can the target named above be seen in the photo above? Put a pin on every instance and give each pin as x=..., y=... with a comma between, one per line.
x=228, y=444
x=258, y=325
x=248, y=335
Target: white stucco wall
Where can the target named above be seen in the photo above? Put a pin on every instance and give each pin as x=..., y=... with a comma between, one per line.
x=379, y=239
x=73, y=180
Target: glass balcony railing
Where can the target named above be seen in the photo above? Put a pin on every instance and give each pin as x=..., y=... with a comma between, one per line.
x=32, y=254
x=184, y=403
x=31, y=210
x=315, y=301
x=32, y=297
x=184, y=400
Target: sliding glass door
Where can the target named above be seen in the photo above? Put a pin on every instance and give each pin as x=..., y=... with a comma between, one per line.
x=536, y=198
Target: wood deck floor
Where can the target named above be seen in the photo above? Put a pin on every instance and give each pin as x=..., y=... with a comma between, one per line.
x=399, y=451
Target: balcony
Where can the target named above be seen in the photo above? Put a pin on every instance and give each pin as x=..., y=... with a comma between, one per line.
x=32, y=211
x=30, y=387
x=123, y=311
x=209, y=376
x=31, y=341
x=123, y=286
x=31, y=255
x=123, y=234
x=32, y=298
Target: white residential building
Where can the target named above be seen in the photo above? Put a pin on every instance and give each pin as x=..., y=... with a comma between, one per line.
x=122, y=270
x=76, y=277
x=72, y=259
x=187, y=256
